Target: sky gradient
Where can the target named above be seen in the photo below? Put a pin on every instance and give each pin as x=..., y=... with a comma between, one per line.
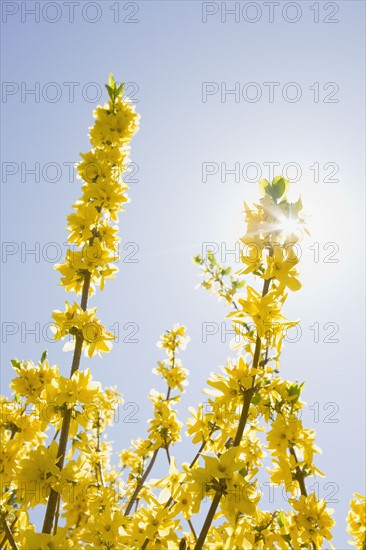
x=217, y=92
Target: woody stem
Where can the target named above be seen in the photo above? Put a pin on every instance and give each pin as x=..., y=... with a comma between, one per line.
x=239, y=434
x=65, y=428
x=8, y=534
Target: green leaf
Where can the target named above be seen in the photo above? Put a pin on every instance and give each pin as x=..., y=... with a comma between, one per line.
x=211, y=259
x=44, y=356
x=281, y=519
x=279, y=187
x=113, y=88
x=110, y=91
x=198, y=259
x=239, y=284
x=256, y=399
x=263, y=184
x=16, y=364
x=111, y=81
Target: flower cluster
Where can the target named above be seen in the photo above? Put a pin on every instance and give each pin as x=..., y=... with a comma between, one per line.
x=357, y=521
x=29, y=464
x=90, y=225
x=250, y=397
x=54, y=447
x=77, y=323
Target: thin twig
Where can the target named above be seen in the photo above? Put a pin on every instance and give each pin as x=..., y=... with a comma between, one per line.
x=299, y=473
x=141, y=483
x=100, y=469
x=167, y=453
x=192, y=529
x=9, y=534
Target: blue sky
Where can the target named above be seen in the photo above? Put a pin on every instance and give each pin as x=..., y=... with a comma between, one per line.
x=181, y=70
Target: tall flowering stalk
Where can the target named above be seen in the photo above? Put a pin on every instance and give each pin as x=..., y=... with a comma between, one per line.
x=251, y=390
x=54, y=450
x=93, y=230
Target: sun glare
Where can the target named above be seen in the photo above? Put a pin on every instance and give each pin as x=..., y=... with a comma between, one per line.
x=289, y=225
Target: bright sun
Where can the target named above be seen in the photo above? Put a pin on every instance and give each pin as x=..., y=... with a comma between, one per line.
x=289, y=225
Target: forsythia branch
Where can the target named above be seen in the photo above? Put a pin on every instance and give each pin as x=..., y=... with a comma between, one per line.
x=250, y=411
